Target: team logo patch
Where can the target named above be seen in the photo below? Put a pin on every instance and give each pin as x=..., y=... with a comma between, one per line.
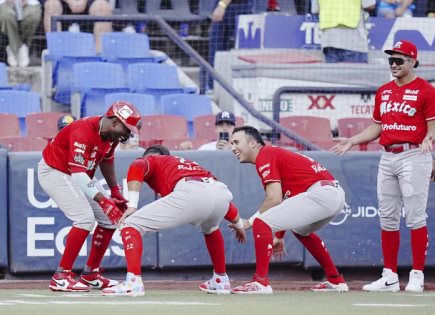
x=92, y=183
x=80, y=145
x=261, y=168
x=125, y=112
x=385, y=97
x=79, y=159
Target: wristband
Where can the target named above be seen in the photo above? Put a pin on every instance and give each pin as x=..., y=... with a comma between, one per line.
x=133, y=199
x=253, y=217
x=222, y=4
x=239, y=225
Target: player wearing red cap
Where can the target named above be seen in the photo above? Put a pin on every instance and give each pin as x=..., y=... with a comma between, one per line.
x=189, y=195
x=404, y=122
x=66, y=173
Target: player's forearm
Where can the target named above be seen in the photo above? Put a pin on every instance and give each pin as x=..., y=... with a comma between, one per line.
x=369, y=134
x=430, y=130
x=133, y=193
x=108, y=172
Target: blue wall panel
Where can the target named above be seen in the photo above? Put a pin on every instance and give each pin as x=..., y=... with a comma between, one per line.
x=3, y=209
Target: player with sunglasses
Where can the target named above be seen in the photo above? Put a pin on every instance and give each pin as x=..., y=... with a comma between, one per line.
x=404, y=122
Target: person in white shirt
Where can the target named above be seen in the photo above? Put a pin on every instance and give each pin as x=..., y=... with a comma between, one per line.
x=225, y=124
x=19, y=20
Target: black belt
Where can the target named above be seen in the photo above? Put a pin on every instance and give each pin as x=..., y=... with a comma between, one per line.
x=399, y=148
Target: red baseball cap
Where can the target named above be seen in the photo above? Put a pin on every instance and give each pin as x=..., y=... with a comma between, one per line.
x=403, y=47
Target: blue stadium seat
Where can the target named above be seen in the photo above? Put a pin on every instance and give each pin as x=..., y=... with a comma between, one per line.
x=64, y=50
x=92, y=81
x=156, y=79
x=145, y=103
x=20, y=103
x=186, y=105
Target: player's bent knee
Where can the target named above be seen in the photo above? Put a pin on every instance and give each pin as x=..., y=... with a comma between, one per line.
x=87, y=224
x=209, y=230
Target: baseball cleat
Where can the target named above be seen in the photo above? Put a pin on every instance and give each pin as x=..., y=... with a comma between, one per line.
x=388, y=283
x=64, y=281
x=96, y=280
x=253, y=287
x=132, y=286
x=416, y=281
x=327, y=286
x=216, y=285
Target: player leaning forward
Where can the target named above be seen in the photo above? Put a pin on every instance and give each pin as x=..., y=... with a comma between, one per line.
x=189, y=195
x=66, y=173
x=301, y=196
x=404, y=122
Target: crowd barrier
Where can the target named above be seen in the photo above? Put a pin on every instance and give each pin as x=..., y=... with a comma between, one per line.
x=36, y=230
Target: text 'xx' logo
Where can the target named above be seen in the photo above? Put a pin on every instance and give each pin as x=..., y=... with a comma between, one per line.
x=321, y=102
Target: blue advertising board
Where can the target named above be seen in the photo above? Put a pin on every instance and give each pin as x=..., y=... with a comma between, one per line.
x=3, y=209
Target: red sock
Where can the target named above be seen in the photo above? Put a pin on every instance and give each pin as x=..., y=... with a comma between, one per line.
x=390, y=248
x=317, y=249
x=263, y=240
x=419, y=244
x=74, y=242
x=216, y=249
x=133, y=249
x=100, y=241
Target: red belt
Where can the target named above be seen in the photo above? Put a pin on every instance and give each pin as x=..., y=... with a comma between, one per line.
x=399, y=148
x=332, y=183
x=199, y=179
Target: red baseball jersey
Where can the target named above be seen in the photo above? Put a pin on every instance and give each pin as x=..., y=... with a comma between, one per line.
x=162, y=172
x=79, y=148
x=296, y=172
x=404, y=111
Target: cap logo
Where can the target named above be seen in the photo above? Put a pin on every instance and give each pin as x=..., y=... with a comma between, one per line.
x=225, y=115
x=398, y=44
x=125, y=112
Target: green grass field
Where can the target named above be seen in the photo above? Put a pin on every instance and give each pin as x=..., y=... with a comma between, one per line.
x=190, y=302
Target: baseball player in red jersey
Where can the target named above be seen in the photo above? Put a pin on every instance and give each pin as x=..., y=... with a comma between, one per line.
x=189, y=195
x=404, y=122
x=66, y=173
x=301, y=196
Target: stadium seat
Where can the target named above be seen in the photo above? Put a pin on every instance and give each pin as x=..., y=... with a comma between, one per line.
x=126, y=48
x=180, y=11
x=156, y=79
x=145, y=103
x=316, y=130
x=16, y=144
x=42, y=125
x=9, y=125
x=204, y=127
x=158, y=128
x=92, y=81
x=187, y=105
x=20, y=103
x=64, y=50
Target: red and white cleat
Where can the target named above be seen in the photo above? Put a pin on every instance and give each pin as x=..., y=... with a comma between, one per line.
x=327, y=286
x=96, y=280
x=64, y=281
x=253, y=287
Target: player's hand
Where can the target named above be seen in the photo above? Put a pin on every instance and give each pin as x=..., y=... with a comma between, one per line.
x=118, y=198
x=343, y=145
x=239, y=233
x=110, y=209
x=278, y=249
x=127, y=213
x=426, y=145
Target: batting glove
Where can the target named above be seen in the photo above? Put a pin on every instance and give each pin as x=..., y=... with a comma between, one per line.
x=118, y=198
x=110, y=209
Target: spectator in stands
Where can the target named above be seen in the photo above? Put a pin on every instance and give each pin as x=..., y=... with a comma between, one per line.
x=64, y=121
x=344, y=36
x=225, y=123
x=430, y=11
x=95, y=7
x=395, y=8
x=19, y=21
x=223, y=28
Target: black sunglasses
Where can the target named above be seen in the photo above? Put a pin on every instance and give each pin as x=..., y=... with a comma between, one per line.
x=396, y=60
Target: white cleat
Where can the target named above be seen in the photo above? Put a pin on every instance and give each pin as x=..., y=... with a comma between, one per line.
x=253, y=287
x=132, y=286
x=388, y=283
x=416, y=281
x=327, y=286
x=216, y=285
